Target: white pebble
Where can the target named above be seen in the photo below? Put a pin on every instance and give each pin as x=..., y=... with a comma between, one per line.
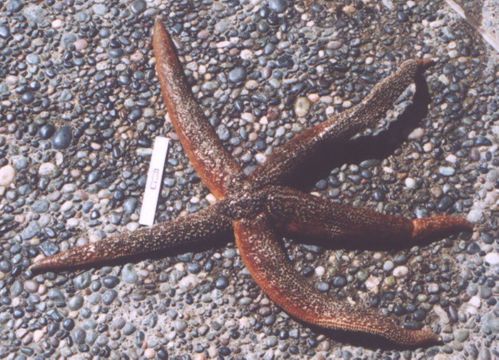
x=302, y=106
x=451, y=158
x=410, y=183
x=260, y=158
x=47, y=169
x=57, y=23
x=475, y=215
x=320, y=270
x=149, y=353
x=246, y=54
x=372, y=283
x=400, y=271
x=7, y=175
x=417, y=133
x=492, y=258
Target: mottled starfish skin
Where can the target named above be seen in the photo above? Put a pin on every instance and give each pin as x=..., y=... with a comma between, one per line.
x=209, y=158
x=272, y=271
x=257, y=207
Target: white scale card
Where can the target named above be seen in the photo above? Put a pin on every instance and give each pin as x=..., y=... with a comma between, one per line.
x=154, y=179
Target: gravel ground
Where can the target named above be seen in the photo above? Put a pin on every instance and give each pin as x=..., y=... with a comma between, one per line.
x=79, y=110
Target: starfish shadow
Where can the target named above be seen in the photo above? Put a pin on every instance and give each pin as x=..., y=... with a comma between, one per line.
x=363, y=148
x=365, y=340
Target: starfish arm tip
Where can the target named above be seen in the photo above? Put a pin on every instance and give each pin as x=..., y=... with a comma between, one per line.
x=426, y=63
x=440, y=224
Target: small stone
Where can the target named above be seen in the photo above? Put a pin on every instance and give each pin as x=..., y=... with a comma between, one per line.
x=130, y=205
x=475, y=215
x=47, y=169
x=80, y=44
x=4, y=32
x=180, y=325
x=302, y=106
x=279, y=6
x=410, y=183
x=75, y=303
x=99, y=9
x=30, y=231
x=433, y=288
x=400, y=271
x=46, y=131
x=149, y=353
x=223, y=133
x=461, y=335
x=7, y=175
x=14, y=5
x=221, y=282
x=138, y=6
x=388, y=265
x=339, y=281
x=33, y=59
x=40, y=206
x=129, y=274
x=237, y=74
x=62, y=138
x=492, y=258
x=416, y=134
x=446, y=171
x=322, y=286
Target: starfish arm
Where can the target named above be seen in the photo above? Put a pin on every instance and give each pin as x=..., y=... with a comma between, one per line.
x=181, y=232
x=203, y=147
x=270, y=268
x=298, y=213
x=288, y=159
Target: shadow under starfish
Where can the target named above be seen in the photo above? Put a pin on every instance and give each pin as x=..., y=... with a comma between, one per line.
x=259, y=208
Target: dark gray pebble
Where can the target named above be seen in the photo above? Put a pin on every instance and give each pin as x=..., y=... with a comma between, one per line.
x=138, y=6
x=237, y=74
x=221, y=282
x=279, y=6
x=108, y=296
x=46, y=131
x=62, y=138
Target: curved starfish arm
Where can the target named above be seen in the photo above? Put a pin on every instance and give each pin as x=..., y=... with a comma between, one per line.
x=270, y=268
x=203, y=147
x=298, y=213
x=289, y=158
x=181, y=232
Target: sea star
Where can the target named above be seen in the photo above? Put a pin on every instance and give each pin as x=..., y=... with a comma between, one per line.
x=259, y=207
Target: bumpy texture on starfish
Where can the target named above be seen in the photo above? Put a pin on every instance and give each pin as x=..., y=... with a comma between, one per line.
x=261, y=206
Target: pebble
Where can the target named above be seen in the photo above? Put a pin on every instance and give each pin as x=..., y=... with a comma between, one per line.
x=416, y=134
x=30, y=231
x=99, y=9
x=388, y=266
x=75, y=302
x=7, y=175
x=237, y=74
x=492, y=258
x=47, y=169
x=302, y=106
x=400, y=271
x=129, y=274
x=410, y=183
x=62, y=138
x=138, y=6
x=4, y=32
x=446, y=171
x=461, y=335
x=279, y=6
